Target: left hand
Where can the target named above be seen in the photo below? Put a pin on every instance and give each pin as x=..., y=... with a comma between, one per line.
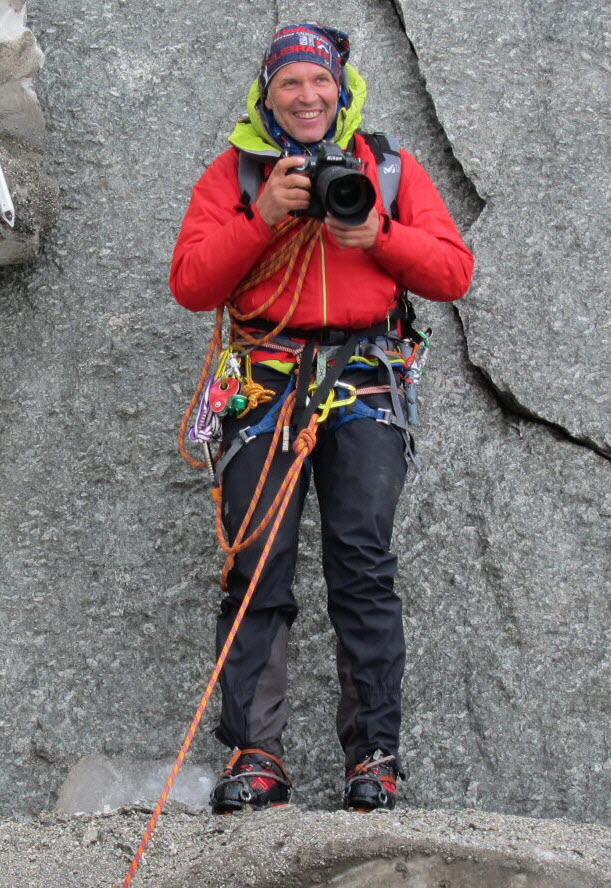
x=360, y=236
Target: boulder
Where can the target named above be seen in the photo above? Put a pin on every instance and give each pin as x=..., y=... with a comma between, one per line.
x=34, y=195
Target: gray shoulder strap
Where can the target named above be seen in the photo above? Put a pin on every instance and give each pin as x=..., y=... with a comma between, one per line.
x=387, y=153
x=389, y=171
x=249, y=177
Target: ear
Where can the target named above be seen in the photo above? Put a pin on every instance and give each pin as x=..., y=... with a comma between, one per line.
x=268, y=103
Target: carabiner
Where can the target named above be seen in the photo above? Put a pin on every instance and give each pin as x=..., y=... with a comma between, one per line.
x=7, y=209
x=333, y=401
x=229, y=364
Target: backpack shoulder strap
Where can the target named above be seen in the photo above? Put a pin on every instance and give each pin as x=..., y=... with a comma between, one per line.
x=250, y=176
x=386, y=151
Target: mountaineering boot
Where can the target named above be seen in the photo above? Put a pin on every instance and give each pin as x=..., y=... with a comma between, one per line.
x=372, y=783
x=251, y=777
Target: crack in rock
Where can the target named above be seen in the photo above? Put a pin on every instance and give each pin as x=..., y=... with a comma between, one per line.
x=523, y=103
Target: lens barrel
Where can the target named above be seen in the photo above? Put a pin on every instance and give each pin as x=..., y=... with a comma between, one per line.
x=346, y=194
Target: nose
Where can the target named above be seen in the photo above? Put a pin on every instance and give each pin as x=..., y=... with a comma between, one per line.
x=308, y=93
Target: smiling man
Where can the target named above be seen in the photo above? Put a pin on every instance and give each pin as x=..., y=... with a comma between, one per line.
x=303, y=101
x=330, y=312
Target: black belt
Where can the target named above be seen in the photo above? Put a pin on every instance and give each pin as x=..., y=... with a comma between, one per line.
x=326, y=335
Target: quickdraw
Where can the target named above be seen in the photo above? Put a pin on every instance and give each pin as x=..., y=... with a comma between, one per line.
x=415, y=367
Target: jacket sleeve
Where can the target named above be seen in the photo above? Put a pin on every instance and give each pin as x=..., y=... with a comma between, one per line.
x=423, y=250
x=217, y=245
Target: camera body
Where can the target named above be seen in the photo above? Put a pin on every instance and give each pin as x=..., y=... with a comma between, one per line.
x=339, y=186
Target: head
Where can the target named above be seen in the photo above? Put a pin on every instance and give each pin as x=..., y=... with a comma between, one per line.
x=300, y=79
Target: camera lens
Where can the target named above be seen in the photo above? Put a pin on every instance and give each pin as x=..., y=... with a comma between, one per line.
x=348, y=195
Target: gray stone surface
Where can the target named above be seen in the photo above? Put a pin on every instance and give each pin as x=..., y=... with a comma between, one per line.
x=110, y=565
x=34, y=194
x=522, y=90
x=35, y=199
x=295, y=849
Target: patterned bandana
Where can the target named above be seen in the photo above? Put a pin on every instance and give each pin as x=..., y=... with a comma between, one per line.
x=306, y=43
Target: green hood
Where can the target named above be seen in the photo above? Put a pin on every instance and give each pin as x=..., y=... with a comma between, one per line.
x=250, y=133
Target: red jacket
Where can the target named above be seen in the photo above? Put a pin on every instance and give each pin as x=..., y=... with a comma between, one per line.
x=344, y=288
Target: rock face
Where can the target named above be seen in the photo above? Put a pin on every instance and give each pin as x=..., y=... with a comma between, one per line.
x=525, y=103
x=34, y=195
x=110, y=563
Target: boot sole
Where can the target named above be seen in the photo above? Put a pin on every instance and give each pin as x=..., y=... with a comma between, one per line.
x=227, y=812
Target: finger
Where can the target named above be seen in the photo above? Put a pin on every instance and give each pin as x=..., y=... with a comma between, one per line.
x=297, y=201
x=348, y=238
x=296, y=192
x=287, y=163
x=296, y=180
x=336, y=226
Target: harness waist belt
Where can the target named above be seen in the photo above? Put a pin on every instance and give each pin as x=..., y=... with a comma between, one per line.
x=328, y=335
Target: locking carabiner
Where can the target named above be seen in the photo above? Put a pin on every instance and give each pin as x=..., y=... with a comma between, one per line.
x=332, y=402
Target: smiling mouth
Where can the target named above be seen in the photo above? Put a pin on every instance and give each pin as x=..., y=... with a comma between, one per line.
x=307, y=115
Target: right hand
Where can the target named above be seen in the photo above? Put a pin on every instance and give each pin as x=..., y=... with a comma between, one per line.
x=284, y=191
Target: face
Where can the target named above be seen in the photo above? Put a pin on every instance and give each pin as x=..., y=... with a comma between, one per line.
x=303, y=97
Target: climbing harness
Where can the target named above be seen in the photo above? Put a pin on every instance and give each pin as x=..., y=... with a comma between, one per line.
x=226, y=389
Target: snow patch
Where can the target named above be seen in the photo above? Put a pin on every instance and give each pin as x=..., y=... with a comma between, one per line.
x=98, y=784
x=12, y=20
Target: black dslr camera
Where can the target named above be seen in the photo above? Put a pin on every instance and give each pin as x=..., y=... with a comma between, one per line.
x=338, y=186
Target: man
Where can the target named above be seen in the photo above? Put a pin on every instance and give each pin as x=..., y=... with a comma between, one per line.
x=334, y=311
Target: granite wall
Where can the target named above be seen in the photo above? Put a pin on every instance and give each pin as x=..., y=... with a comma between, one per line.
x=109, y=560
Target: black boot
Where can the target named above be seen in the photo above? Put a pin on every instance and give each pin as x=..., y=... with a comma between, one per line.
x=251, y=777
x=372, y=783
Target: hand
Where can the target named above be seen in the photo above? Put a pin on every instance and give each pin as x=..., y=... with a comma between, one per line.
x=361, y=236
x=284, y=191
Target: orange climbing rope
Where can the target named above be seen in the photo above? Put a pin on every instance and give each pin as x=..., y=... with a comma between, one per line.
x=239, y=543
x=304, y=238
x=303, y=446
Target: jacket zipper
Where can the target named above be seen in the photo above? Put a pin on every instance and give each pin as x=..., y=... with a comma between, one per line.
x=324, y=279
